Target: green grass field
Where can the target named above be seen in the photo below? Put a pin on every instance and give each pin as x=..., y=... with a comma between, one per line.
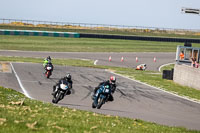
x=59, y=44
x=19, y=114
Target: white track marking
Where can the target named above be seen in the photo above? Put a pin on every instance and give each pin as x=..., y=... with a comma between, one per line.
x=164, y=65
x=95, y=62
x=183, y=97
x=83, y=59
x=20, y=83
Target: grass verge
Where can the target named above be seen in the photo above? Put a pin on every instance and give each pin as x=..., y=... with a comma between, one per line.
x=70, y=62
x=20, y=114
x=59, y=44
x=167, y=67
x=155, y=79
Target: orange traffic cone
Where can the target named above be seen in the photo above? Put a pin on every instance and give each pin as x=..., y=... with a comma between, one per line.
x=154, y=59
x=109, y=58
x=122, y=59
x=136, y=59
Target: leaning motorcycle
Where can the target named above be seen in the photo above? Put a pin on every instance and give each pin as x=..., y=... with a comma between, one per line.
x=101, y=97
x=60, y=92
x=48, y=72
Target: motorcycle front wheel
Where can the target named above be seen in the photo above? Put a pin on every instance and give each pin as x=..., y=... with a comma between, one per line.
x=100, y=103
x=57, y=97
x=93, y=105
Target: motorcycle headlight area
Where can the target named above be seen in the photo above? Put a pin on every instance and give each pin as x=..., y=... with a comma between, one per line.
x=63, y=86
x=107, y=90
x=48, y=68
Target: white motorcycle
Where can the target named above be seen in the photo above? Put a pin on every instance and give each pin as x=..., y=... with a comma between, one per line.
x=60, y=92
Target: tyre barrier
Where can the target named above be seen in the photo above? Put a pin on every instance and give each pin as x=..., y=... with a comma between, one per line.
x=143, y=38
x=83, y=35
x=39, y=33
x=168, y=74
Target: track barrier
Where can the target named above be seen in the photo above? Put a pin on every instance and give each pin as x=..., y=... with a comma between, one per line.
x=39, y=33
x=143, y=38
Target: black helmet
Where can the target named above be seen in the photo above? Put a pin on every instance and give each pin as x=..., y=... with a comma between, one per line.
x=48, y=58
x=68, y=76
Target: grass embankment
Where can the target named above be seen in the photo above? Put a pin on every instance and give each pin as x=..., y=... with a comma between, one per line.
x=137, y=32
x=59, y=44
x=20, y=114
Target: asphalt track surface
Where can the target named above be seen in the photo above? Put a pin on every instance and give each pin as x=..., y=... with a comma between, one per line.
x=131, y=99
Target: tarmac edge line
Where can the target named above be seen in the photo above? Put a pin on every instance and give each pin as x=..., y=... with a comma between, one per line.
x=20, y=83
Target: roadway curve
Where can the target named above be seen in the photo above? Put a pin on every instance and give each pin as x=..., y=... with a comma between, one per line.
x=132, y=99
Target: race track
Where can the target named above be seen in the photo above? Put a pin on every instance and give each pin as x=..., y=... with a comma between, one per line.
x=132, y=99
x=103, y=58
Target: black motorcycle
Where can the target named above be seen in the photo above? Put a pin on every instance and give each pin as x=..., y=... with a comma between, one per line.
x=60, y=91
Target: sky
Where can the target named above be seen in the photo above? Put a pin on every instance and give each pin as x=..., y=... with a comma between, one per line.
x=146, y=13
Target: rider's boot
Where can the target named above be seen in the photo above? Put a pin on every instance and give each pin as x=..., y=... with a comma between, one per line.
x=53, y=93
x=68, y=92
x=54, y=90
x=93, y=96
x=95, y=101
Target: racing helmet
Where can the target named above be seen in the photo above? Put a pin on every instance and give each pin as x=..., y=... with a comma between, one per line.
x=48, y=58
x=112, y=79
x=68, y=76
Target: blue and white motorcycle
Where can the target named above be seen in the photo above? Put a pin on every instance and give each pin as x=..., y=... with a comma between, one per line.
x=101, y=96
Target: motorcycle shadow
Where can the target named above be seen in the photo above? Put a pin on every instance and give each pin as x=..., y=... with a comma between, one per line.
x=73, y=105
x=85, y=107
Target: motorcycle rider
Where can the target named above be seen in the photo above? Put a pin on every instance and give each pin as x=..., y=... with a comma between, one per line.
x=49, y=64
x=141, y=67
x=46, y=60
x=110, y=84
x=67, y=81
